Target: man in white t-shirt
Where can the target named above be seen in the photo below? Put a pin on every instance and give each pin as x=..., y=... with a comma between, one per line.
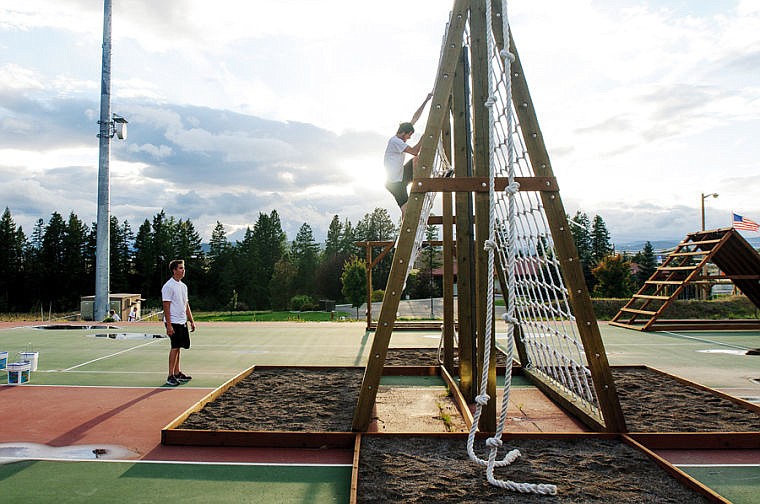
x=398, y=174
x=177, y=315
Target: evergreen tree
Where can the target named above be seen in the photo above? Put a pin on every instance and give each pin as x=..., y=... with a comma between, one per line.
x=600, y=240
x=78, y=273
x=147, y=274
x=121, y=257
x=282, y=283
x=378, y=226
x=580, y=228
x=333, y=240
x=647, y=263
x=52, y=256
x=304, y=252
x=614, y=279
x=12, y=244
x=220, y=287
x=259, y=251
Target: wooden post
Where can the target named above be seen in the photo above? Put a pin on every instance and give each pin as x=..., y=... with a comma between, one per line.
x=423, y=167
x=460, y=112
x=368, y=255
x=448, y=260
x=480, y=119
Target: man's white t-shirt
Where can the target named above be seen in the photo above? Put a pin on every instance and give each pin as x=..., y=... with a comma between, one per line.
x=175, y=292
x=394, y=159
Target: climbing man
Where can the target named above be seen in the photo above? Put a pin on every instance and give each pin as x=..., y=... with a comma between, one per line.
x=398, y=174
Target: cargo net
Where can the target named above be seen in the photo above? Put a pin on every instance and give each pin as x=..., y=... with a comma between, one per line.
x=537, y=299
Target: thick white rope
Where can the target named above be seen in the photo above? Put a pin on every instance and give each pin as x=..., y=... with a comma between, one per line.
x=491, y=246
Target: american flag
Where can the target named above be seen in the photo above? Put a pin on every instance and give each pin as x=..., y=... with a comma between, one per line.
x=744, y=223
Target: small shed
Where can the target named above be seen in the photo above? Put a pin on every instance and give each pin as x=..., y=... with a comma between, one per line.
x=120, y=303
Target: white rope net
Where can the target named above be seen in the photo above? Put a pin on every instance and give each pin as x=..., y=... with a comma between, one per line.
x=537, y=299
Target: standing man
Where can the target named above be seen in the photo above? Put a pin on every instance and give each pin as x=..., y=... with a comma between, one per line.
x=398, y=174
x=176, y=316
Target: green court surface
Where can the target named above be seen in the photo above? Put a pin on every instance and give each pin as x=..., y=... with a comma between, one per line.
x=738, y=483
x=146, y=482
x=222, y=350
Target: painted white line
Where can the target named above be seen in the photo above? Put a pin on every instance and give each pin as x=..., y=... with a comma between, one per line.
x=182, y=462
x=110, y=355
x=717, y=465
x=703, y=340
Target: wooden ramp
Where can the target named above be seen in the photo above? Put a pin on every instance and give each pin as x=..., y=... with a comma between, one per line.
x=686, y=267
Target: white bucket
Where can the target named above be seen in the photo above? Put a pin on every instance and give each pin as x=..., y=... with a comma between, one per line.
x=3, y=359
x=18, y=372
x=31, y=358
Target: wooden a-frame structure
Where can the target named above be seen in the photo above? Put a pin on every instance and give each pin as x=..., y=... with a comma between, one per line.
x=687, y=266
x=466, y=143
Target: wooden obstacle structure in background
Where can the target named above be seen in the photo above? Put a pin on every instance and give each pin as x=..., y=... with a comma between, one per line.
x=687, y=266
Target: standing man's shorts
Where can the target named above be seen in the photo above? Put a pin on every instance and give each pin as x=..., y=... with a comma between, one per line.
x=181, y=336
x=398, y=188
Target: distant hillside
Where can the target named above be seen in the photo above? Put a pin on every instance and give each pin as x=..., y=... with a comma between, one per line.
x=658, y=245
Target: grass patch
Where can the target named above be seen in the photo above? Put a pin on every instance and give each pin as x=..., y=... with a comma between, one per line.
x=270, y=316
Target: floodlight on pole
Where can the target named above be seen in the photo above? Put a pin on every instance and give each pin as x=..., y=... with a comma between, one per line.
x=109, y=126
x=704, y=197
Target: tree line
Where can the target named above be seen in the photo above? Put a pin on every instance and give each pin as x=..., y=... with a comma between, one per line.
x=55, y=265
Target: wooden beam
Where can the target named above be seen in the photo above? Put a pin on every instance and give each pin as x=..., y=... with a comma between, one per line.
x=397, y=276
x=448, y=259
x=480, y=184
x=460, y=116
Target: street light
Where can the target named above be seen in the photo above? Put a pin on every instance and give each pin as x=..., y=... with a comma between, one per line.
x=704, y=197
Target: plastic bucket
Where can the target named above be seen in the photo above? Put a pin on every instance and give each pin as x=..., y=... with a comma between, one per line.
x=31, y=358
x=18, y=372
x=3, y=359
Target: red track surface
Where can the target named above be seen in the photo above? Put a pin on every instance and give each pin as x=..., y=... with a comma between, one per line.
x=128, y=417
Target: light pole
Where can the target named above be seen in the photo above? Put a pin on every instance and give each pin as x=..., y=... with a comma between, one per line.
x=706, y=287
x=109, y=126
x=704, y=197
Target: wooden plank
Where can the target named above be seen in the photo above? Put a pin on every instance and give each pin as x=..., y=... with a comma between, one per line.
x=355, y=469
x=458, y=397
x=397, y=276
x=646, y=296
x=567, y=254
x=640, y=312
x=210, y=397
x=480, y=184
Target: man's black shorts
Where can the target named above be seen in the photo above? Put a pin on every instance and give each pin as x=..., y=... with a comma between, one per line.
x=181, y=336
x=399, y=189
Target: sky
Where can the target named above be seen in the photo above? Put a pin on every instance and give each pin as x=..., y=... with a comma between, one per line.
x=240, y=107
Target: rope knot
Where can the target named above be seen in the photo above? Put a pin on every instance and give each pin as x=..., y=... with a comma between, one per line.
x=489, y=245
x=512, y=188
x=491, y=101
x=507, y=55
x=494, y=442
x=510, y=319
x=482, y=399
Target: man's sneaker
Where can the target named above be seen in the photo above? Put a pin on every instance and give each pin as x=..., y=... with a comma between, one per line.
x=172, y=381
x=182, y=377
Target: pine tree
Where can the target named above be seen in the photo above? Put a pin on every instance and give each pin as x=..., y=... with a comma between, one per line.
x=580, y=228
x=647, y=263
x=304, y=252
x=600, y=240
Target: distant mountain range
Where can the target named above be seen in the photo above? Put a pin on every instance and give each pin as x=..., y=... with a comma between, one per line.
x=661, y=245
